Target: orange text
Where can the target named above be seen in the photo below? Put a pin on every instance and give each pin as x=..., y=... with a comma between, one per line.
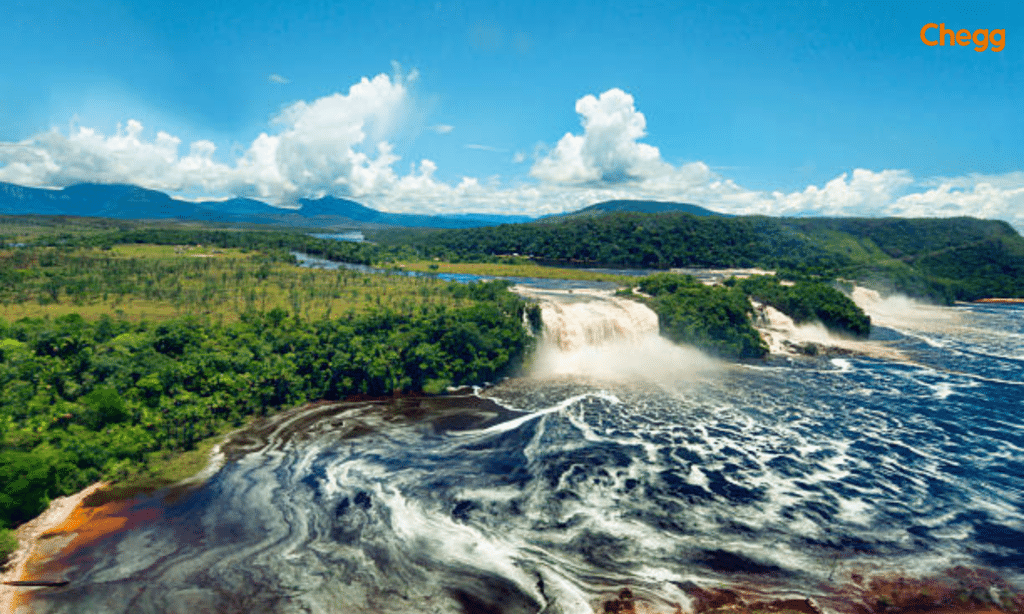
x=980, y=38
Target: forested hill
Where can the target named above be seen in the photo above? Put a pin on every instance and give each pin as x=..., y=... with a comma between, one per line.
x=637, y=206
x=944, y=259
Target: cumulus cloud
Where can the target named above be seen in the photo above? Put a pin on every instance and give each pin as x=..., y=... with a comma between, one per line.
x=336, y=144
x=55, y=159
x=863, y=191
x=609, y=160
x=609, y=156
x=608, y=151
x=341, y=145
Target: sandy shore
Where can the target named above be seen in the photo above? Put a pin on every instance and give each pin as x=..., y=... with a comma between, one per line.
x=28, y=537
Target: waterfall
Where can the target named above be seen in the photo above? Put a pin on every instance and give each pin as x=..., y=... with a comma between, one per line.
x=578, y=322
x=598, y=335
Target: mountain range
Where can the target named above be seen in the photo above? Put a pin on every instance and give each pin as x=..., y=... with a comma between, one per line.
x=120, y=201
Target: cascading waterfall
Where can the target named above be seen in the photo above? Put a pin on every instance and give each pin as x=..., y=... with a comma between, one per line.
x=575, y=322
x=598, y=335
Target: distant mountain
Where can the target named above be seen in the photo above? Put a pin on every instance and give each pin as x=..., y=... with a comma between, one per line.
x=338, y=207
x=638, y=206
x=132, y=202
x=126, y=202
x=331, y=207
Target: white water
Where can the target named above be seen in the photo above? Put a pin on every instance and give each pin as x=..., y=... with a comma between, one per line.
x=898, y=311
x=598, y=335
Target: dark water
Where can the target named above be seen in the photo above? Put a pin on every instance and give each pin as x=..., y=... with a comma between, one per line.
x=546, y=495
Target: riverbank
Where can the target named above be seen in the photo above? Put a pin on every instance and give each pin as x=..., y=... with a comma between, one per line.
x=516, y=269
x=100, y=509
x=29, y=535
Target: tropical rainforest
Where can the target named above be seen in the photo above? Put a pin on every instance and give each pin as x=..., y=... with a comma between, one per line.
x=713, y=318
x=806, y=301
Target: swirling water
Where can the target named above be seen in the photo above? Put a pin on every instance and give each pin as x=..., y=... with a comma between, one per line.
x=547, y=493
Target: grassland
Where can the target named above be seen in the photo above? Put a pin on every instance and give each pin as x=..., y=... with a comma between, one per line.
x=157, y=282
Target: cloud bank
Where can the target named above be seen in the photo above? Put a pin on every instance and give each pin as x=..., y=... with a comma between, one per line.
x=341, y=145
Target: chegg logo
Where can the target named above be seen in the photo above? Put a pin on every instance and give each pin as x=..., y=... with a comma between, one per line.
x=981, y=38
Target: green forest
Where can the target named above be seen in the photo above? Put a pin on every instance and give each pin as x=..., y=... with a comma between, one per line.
x=938, y=259
x=806, y=301
x=715, y=319
x=138, y=349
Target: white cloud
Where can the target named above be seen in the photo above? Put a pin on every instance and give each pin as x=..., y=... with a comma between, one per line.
x=442, y=128
x=484, y=147
x=53, y=159
x=607, y=151
x=608, y=161
x=278, y=79
x=336, y=144
x=993, y=196
x=1010, y=180
x=864, y=192
x=341, y=145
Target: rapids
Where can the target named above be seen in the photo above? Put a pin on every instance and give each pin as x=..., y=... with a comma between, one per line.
x=620, y=460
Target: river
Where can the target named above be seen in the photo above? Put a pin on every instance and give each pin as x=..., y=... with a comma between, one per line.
x=619, y=460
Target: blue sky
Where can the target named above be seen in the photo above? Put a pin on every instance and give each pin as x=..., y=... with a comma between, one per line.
x=798, y=108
